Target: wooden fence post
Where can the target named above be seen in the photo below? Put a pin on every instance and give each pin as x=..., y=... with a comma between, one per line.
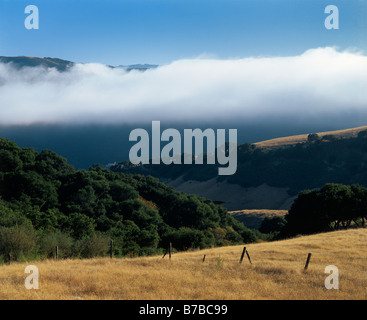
x=243, y=254
x=308, y=261
x=164, y=254
x=57, y=252
x=170, y=250
x=248, y=256
x=111, y=249
x=204, y=257
x=9, y=256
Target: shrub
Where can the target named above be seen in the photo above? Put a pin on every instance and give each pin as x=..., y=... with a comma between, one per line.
x=94, y=246
x=17, y=241
x=273, y=224
x=183, y=238
x=233, y=236
x=51, y=240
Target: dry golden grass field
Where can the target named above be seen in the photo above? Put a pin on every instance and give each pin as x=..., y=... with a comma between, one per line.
x=276, y=272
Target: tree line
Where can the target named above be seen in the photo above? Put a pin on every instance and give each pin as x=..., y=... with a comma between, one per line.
x=332, y=207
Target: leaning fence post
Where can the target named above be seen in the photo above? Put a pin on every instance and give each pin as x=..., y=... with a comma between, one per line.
x=307, y=261
x=204, y=257
x=248, y=256
x=243, y=254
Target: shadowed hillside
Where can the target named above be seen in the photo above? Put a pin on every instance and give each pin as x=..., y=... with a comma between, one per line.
x=270, y=177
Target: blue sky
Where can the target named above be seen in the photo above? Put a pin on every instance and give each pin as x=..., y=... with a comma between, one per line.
x=161, y=31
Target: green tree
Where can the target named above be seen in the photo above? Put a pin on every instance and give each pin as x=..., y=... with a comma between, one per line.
x=79, y=225
x=272, y=224
x=183, y=239
x=313, y=137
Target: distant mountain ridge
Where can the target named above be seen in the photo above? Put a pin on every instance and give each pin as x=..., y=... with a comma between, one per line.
x=141, y=67
x=60, y=64
x=47, y=62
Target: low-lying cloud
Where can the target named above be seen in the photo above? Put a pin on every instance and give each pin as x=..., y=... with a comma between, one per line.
x=319, y=81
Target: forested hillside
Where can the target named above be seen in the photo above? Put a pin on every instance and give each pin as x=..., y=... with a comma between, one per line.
x=45, y=202
x=320, y=160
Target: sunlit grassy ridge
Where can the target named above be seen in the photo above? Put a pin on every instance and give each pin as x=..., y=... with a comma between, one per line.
x=301, y=138
x=252, y=218
x=276, y=273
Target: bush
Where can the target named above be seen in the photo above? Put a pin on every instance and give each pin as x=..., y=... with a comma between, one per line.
x=233, y=236
x=273, y=224
x=91, y=247
x=208, y=240
x=183, y=238
x=249, y=235
x=51, y=240
x=17, y=241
